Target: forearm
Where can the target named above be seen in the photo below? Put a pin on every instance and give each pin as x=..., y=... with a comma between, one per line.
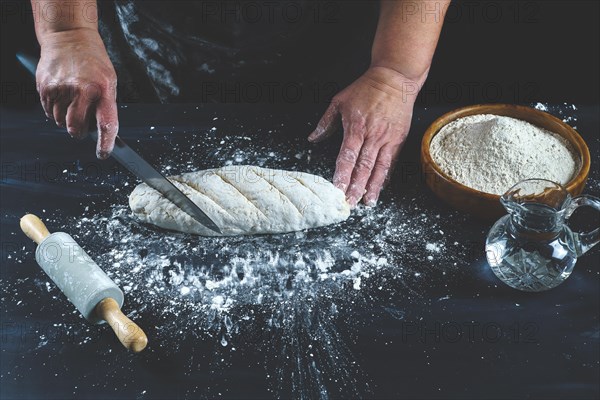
x=407, y=35
x=75, y=77
x=55, y=16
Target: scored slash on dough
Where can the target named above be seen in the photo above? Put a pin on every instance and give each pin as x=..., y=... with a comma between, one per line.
x=262, y=201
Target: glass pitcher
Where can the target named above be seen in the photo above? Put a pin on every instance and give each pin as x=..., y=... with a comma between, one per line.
x=532, y=248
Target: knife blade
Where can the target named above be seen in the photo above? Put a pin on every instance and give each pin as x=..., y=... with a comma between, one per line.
x=131, y=160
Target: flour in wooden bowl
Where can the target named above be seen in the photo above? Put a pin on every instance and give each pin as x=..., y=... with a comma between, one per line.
x=491, y=153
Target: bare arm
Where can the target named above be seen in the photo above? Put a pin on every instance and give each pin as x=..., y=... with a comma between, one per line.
x=375, y=111
x=75, y=77
x=407, y=35
x=52, y=16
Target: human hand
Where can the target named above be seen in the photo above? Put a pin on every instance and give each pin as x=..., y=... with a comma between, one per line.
x=76, y=81
x=375, y=112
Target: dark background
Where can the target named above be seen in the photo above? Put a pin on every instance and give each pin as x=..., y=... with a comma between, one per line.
x=489, y=51
x=495, y=51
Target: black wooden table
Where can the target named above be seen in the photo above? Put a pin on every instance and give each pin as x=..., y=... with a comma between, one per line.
x=426, y=319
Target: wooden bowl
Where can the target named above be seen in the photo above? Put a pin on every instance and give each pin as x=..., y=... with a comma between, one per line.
x=485, y=205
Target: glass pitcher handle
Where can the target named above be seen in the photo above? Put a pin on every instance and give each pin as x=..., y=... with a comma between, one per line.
x=589, y=239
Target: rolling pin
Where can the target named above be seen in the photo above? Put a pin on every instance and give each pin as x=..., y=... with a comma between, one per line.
x=94, y=294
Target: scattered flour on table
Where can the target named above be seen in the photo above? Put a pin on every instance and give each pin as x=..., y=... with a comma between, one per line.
x=434, y=247
x=295, y=299
x=491, y=153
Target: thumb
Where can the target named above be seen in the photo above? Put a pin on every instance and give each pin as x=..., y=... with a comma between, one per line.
x=108, y=127
x=329, y=123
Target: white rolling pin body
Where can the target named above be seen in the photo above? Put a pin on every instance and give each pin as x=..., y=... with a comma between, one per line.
x=76, y=274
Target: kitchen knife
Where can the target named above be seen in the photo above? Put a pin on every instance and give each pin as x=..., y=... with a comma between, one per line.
x=127, y=157
x=131, y=160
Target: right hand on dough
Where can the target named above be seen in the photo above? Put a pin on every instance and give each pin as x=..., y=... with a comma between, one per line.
x=76, y=82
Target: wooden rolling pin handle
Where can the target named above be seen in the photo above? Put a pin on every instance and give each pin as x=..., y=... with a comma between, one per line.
x=128, y=332
x=34, y=228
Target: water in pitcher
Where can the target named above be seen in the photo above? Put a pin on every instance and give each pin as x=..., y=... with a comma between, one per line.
x=532, y=248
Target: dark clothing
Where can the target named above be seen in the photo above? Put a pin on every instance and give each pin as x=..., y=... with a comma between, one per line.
x=243, y=51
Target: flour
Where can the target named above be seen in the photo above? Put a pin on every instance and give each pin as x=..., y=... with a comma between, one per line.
x=433, y=247
x=491, y=153
x=284, y=304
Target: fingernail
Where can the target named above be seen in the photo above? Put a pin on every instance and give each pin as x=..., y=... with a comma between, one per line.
x=352, y=201
x=371, y=202
x=101, y=154
x=312, y=136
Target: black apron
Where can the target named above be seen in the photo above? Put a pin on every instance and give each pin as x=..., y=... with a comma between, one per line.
x=236, y=51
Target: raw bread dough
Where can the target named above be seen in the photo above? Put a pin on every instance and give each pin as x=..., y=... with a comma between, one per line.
x=245, y=200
